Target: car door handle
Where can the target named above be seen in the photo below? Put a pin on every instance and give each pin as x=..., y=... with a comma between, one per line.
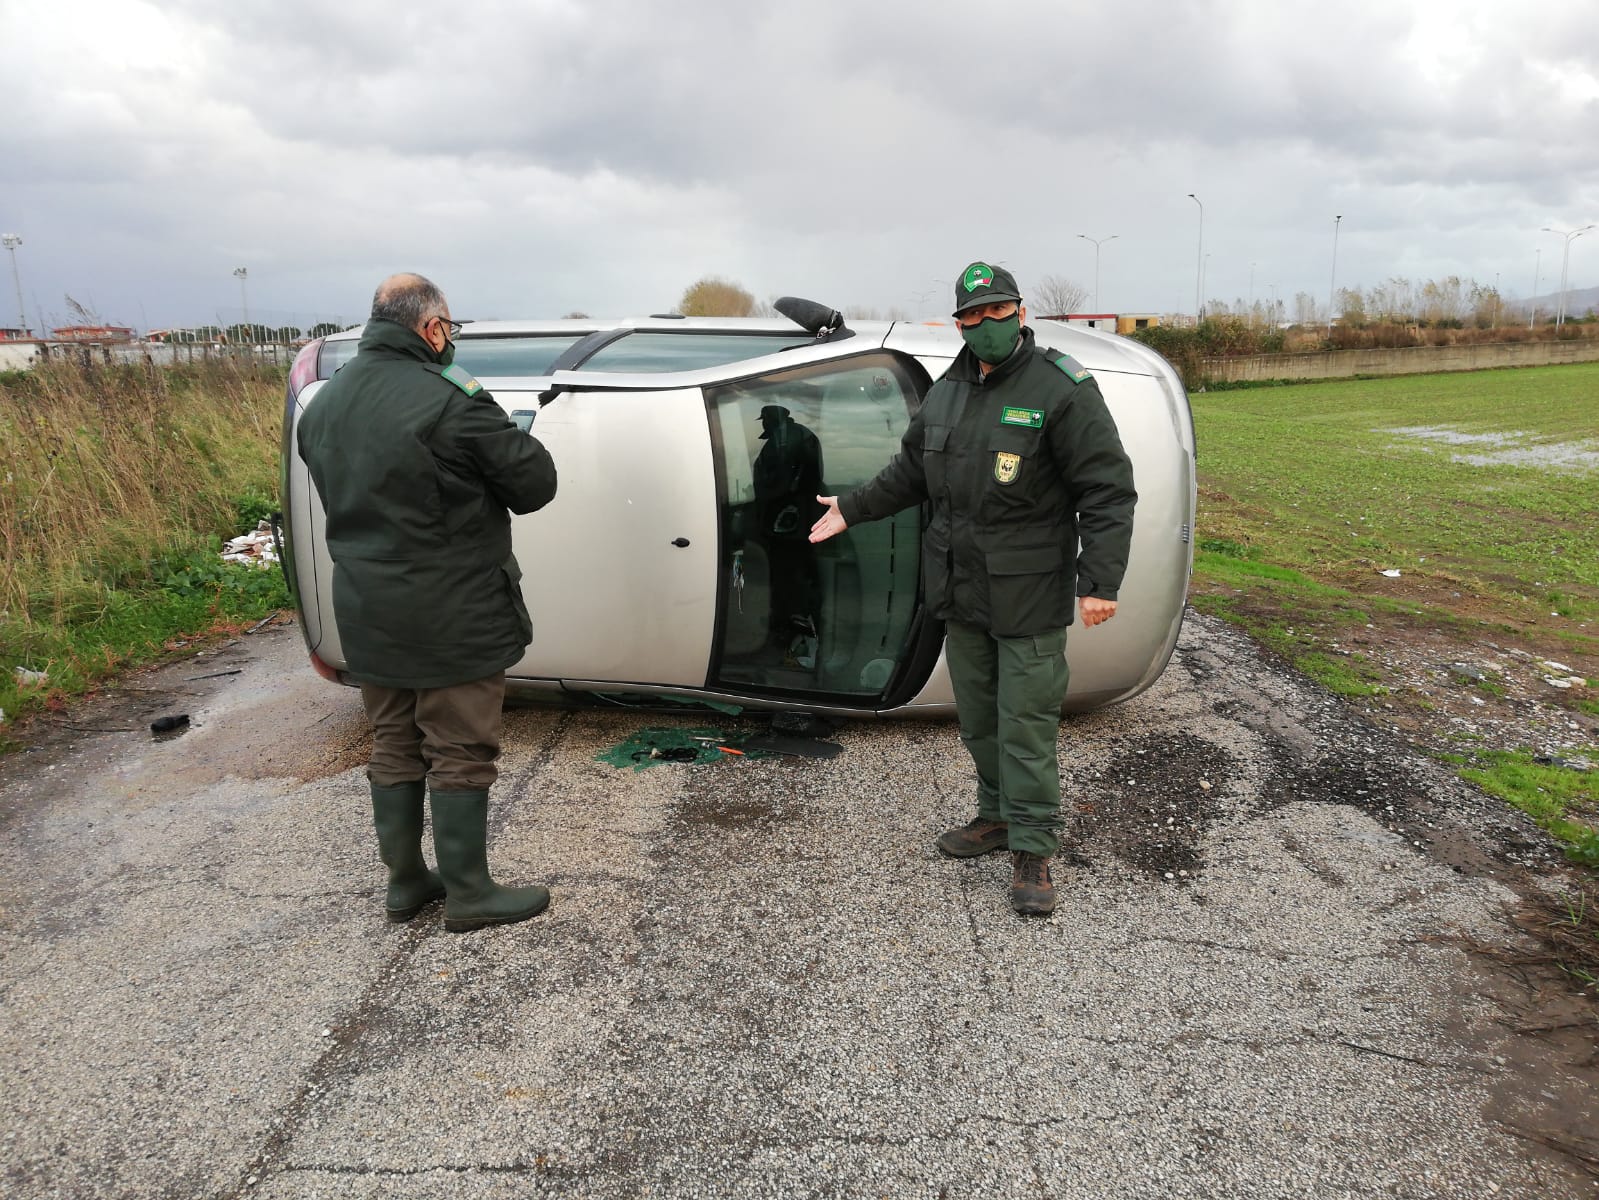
x=680, y=543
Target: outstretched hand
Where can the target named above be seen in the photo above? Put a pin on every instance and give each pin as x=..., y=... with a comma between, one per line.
x=830, y=522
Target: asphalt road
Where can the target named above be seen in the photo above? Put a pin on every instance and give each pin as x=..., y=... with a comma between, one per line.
x=758, y=978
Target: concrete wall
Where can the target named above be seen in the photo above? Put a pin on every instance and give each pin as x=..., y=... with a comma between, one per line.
x=18, y=356
x=1408, y=360
x=21, y=355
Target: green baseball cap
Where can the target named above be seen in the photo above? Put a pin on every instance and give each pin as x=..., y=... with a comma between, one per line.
x=983, y=284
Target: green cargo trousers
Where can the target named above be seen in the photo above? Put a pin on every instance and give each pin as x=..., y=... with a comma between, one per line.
x=1008, y=692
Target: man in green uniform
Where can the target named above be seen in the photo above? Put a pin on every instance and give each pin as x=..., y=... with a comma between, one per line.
x=1032, y=508
x=416, y=467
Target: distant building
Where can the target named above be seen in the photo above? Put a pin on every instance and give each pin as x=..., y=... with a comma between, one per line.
x=92, y=333
x=1122, y=323
x=15, y=335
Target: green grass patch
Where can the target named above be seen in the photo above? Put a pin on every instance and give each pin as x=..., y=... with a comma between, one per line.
x=1491, y=686
x=1561, y=800
x=1292, y=614
x=195, y=595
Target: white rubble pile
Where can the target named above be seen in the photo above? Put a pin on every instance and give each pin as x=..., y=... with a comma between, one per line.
x=254, y=548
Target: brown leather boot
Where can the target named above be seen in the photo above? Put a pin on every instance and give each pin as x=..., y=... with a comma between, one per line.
x=1032, y=891
x=977, y=836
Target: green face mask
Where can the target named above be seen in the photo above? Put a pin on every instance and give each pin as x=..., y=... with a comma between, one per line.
x=993, y=338
x=447, y=355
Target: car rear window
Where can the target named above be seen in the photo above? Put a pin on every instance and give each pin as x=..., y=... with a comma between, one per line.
x=651, y=351
x=499, y=357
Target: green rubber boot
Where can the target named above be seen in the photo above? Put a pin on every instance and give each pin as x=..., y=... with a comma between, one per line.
x=397, y=814
x=460, y=836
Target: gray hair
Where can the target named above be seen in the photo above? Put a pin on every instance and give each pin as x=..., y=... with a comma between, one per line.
x=407, y=300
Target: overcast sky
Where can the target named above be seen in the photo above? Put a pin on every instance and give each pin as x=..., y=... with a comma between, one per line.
x=539, y=156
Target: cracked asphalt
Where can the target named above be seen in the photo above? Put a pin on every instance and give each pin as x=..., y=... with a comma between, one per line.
x=758, y=978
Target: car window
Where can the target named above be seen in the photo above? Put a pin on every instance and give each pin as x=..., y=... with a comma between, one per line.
x=334, y=355
x=496, y=357
x=502, y=356
x=652, y=351
x=813, y=621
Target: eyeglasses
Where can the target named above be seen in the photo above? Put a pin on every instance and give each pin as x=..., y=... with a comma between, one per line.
x=451, y=328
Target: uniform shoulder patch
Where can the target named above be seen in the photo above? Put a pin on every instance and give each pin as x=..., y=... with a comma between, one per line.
x=1077, y=372
x=462, y=379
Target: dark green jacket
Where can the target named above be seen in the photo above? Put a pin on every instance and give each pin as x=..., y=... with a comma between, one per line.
x=416, y=468
x=1017, y=466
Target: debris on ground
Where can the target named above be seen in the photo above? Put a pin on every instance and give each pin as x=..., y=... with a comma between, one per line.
x=27, y=678
x=257, y=548
x=650, y=747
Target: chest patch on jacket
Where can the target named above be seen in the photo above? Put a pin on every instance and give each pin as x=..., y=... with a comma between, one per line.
x=1006, y=466
x=462, y=379
x=1073, y=368
x=1027, y=418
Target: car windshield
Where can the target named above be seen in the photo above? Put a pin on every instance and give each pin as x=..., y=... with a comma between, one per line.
x=653, y=351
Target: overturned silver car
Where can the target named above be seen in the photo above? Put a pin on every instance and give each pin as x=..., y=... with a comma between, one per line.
x=673, y=564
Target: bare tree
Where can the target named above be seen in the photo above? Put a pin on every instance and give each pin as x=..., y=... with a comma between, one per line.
x=1443, y=301
x=1352, y=306
x=1056, y=296
x=714, y=296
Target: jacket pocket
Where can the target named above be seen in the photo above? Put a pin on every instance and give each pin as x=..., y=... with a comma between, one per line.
x=511, y=574
x=1029, y=590
x=1012, y=454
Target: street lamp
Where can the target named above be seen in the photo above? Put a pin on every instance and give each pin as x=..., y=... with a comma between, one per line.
x=1199, y=260
x=12, y=241
x=1251, y=308
x=1097, y=242
x=241, y=274
x=1333, y=284
x=1565, y=259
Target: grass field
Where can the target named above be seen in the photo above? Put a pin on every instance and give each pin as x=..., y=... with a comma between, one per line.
x=1481, y=490
x=1498, y=499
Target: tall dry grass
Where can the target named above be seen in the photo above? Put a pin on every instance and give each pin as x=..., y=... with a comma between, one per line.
x=106, y=469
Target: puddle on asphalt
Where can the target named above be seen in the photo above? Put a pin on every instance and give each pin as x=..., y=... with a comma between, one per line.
x=1511, y=448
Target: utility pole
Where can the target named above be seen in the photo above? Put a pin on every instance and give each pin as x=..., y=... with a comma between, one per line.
x=1096, y=242
x=11, y=242
x=1199, y=262
x=1537, y=261
x=1332, y=287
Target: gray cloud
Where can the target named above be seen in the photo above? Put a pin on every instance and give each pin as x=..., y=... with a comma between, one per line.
x=538, y=157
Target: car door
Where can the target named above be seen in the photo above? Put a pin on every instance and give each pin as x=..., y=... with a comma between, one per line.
x=619, y=569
